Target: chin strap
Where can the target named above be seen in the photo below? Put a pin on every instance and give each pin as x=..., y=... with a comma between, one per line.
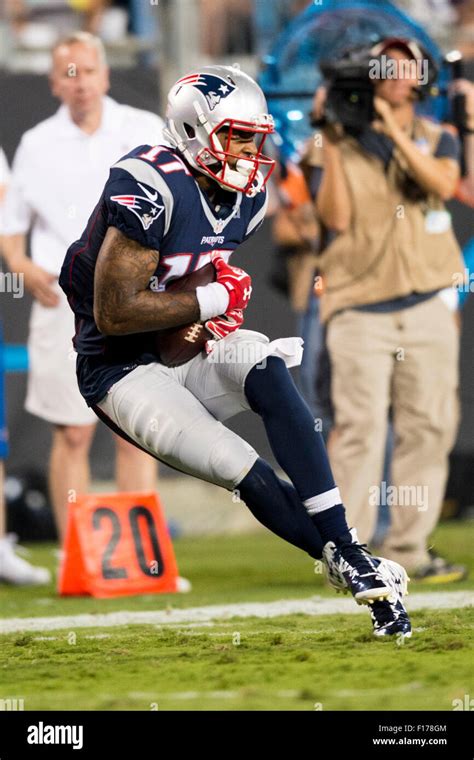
x=240, y=179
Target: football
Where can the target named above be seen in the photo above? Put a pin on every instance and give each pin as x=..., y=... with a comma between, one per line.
x=177, y=345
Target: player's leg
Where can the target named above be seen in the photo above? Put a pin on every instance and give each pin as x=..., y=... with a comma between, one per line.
x=69, y=472
x=275, y=503
x=155, y=412
x=135, y=470
x=234, y=378
x=300, y=451
x=233, y=381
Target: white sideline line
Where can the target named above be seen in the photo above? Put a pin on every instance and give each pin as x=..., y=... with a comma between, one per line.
x=313, y=606
x=389, y=690
x=283, y=693
x=157, y=699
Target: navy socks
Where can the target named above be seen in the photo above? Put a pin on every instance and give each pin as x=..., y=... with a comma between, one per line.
x=277, y=506
x=298, y=448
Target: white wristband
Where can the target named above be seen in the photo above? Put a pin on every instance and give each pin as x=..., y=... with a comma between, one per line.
x=213, y=300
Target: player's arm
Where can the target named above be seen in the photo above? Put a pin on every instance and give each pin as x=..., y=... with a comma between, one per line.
x=123, y=302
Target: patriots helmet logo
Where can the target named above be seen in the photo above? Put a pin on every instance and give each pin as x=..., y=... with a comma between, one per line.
x=143, y=207
x=214, y=88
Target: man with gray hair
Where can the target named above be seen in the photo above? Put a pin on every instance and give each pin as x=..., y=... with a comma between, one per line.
x=58, y=172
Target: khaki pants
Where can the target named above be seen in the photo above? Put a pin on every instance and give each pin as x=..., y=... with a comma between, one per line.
x=407, y=361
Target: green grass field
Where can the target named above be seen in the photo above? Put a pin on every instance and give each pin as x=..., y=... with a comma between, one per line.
x=296, y=662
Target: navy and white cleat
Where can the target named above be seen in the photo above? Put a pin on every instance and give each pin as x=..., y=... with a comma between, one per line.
x=394, y=575
x=351, y=567
x=389, y=616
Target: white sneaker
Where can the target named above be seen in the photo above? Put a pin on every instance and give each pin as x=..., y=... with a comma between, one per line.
x=184, y=585
x=16, y=570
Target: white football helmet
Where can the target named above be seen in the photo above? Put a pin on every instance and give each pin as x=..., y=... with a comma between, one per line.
x=207, y=101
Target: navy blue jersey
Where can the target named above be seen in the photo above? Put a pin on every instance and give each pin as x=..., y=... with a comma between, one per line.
x=152, y=197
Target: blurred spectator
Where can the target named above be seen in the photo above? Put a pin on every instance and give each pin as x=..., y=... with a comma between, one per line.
x=93, y=13
x=59, y=171
x=271, y=18
x=90, y=11
x=393, y=342
x=226, y=27
x=438, y=17
x=466, y=188
x=298, y=240
x=13, y=568
x=4, y=175
x=38, y=24
x=464, y=40
x=296, y=234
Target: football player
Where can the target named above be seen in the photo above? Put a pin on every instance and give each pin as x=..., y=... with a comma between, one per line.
x=166, y=212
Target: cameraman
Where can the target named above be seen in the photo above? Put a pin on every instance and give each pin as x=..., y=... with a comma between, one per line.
x=392, y=340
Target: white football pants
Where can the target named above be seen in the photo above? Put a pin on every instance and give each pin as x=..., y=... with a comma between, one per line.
x=176, y=413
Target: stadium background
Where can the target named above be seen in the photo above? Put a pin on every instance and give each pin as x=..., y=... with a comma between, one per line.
x=139, y=85
x=314, y=653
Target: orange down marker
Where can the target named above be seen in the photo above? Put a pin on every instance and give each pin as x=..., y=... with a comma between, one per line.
x=117, y=545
